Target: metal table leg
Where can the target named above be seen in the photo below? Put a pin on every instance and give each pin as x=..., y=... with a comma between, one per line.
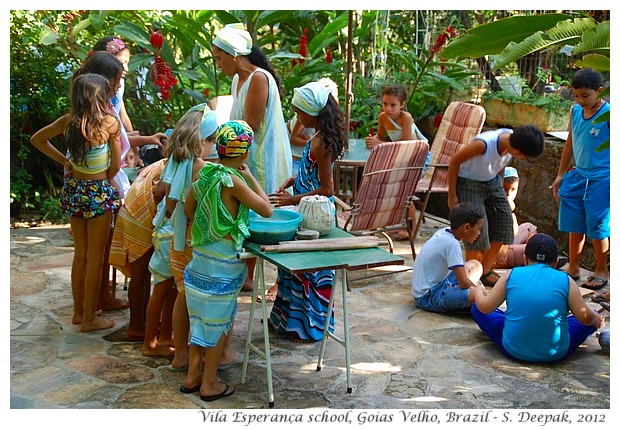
x=260, y=276
x=341, y=275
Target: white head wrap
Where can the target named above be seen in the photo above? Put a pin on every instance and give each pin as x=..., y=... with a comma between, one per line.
x=234, y=40
x=312, y=97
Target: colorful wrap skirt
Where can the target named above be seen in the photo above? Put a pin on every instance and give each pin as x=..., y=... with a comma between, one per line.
x=213, y=279
x=133, y=230
x=88, y=198
x=179, y=260
x=159, y=265
x=300, y=309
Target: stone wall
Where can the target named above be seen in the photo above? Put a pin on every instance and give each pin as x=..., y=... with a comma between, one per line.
x=535, y=202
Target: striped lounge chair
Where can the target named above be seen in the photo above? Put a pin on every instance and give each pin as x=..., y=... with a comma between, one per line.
x=461, y=122
x=386, y=190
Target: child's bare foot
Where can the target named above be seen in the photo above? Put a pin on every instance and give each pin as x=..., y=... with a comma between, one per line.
x=158, y=350
x=168, y=342
x=114, y=304
x=97, y=324
x=180, y=362
x=248, y=285
x=77, y=318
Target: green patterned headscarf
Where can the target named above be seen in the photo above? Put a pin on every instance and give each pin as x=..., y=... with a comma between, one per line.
x=233, y=138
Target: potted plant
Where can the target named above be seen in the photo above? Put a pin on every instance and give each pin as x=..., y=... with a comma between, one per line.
x=550, y=112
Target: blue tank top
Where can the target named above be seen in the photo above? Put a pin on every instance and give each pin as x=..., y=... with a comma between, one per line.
x=587, y=136
x=536, y=328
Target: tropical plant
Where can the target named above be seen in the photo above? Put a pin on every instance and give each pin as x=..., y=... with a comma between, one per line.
x=514, y=37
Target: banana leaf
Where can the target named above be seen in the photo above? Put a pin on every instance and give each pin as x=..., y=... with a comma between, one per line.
x=596, y=39
x=565, y=32
x=492, y=38
x=595, y=61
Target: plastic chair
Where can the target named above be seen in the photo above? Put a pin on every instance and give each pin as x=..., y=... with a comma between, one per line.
x=461, y=122
x=386, y=191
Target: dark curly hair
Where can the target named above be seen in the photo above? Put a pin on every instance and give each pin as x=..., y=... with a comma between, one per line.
x=331, y=123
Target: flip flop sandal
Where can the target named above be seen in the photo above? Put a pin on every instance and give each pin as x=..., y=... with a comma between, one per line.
x=237, y=362
x=605, y=305
x=599, y=297
x=599, y=283
x=228, y=390
x=485, y=279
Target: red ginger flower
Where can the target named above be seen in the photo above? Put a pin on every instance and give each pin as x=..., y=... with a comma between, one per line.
x=303, y=47
x=442, y=39
x=157, y=40
x=163, y=77
x=328, y=56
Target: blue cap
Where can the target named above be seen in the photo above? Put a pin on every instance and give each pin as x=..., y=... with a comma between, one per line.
x=510, y=172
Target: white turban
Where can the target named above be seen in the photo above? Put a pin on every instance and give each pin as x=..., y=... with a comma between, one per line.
x=234, y=40
x=312, y=97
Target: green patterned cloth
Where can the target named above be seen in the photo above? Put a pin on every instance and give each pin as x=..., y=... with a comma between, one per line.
x=212, y=221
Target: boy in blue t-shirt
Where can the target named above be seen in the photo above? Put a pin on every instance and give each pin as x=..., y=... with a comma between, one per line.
x=583, y=191
x=546, y=318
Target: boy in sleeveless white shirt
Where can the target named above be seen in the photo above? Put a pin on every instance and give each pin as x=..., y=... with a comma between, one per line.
x=474, y=175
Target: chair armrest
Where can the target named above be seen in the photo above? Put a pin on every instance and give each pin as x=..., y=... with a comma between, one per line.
x=339, y=203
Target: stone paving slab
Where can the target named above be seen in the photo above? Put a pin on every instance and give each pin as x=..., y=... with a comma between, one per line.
x=402, y=357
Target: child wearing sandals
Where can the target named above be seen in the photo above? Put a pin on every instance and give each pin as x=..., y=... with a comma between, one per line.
x=218, y=207
x=584, y=191
x=88, y=195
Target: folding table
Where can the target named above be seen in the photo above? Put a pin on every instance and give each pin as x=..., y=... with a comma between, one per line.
x=300, y=262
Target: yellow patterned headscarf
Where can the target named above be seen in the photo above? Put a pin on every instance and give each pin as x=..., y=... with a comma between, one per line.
x=233, y=138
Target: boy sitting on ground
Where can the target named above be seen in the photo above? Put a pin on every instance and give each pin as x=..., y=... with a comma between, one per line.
x=442, y=281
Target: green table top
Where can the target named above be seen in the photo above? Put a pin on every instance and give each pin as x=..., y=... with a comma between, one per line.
x=356, y=154
x=300, y=262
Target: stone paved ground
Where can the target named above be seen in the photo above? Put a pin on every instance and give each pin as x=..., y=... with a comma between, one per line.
x=402, y=357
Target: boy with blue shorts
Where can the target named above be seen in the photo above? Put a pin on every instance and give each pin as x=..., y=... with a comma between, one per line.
x=442, y=282
x=583, y=191
x=546, y=318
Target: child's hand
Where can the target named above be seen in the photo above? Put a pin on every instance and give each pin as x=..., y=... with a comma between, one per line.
x=287, y=184
x=160, y=139
x=555, y=187
x=68, y=168
x=245, y=172
x=372, y=141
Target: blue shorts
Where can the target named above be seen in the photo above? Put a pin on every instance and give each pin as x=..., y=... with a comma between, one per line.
x=492, y=324
x=445, y=297
x=584, y=206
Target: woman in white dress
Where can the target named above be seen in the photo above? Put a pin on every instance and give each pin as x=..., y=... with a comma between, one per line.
x=256, y=100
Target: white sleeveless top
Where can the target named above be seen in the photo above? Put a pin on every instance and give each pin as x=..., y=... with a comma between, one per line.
x=485, y=167
x=270, y=158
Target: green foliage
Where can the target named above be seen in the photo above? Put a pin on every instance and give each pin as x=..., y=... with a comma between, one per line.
x=48, y=45
x=491, y=38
